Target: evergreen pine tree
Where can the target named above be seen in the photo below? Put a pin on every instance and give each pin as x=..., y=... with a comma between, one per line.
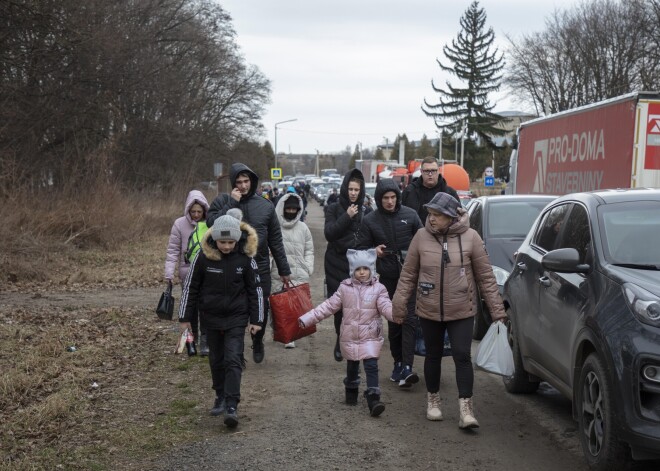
x=479, y=69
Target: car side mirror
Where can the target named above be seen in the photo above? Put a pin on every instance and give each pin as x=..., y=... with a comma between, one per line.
x=564, y=261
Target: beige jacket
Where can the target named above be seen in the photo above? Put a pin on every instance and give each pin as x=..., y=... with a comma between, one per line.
x=447, y=291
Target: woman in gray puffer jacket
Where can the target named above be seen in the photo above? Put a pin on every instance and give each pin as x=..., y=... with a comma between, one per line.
x=445, y=262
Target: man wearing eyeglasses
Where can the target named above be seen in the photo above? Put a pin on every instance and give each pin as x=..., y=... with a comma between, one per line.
x=423, y=189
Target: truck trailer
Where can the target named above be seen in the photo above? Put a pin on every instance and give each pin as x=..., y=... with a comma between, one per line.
x=610, y=144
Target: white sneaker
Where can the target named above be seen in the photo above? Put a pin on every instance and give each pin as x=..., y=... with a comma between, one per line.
x=433, y=411
x=467, y=419
x=290, y=345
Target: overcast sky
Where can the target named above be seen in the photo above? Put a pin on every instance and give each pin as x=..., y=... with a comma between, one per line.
x=358, y=70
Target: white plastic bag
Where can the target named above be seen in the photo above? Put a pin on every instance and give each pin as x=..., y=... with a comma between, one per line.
x=494, y=353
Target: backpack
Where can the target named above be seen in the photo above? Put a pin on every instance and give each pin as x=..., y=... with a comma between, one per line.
x=194, y=240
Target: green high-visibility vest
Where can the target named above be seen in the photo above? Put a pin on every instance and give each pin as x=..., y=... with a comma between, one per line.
x=195, y=239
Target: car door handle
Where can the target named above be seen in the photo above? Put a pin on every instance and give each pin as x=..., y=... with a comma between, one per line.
x=521, y=266
x=545, y=281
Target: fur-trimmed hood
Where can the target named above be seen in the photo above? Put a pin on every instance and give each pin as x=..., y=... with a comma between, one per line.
x=248, y=243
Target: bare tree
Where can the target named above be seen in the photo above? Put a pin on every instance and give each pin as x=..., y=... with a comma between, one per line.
x=597, y=50
x=140, y=91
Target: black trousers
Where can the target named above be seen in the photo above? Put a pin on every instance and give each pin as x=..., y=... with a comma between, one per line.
x=401, y=336
x=460, y=336
x=225, y=354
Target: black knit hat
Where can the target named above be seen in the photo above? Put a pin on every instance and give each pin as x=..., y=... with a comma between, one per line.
x=292, y=202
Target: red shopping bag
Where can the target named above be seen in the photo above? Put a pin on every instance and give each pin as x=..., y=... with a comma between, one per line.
x=287, y=306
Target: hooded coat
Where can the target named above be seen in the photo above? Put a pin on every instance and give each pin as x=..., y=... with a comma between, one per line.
x=224, y=288
x=445, y=290
x=298, y=245
x=363, y=304
x=177, y=245
x=394, y=229
x=259, y=213
x=416, y=195
x=342, y=232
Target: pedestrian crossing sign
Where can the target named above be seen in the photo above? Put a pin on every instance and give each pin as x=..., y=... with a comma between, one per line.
x=275, y=173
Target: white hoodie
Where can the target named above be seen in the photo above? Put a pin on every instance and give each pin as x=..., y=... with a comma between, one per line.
x=298, y=246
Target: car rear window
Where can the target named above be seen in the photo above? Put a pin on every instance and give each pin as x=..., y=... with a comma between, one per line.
x=512, y=218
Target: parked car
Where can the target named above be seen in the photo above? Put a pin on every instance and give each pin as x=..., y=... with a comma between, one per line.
x=314, y=184
x=584, y=314
x=323, y=191
x=466, y=197
x=502, y=222
x=370, y=189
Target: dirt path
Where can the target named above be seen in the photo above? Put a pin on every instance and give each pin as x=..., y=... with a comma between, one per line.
x=292, y=415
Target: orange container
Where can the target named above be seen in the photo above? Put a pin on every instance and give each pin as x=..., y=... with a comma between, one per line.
x=456, y=176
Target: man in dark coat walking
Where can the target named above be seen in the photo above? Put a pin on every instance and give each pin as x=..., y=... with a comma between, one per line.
x=390, y=230
x=423, y=189
x=259, y=213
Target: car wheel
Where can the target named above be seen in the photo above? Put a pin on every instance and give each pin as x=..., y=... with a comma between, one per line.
x=597, y=418
x=519, y=382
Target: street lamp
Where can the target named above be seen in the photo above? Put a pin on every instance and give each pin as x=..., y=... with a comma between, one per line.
x=277, y=124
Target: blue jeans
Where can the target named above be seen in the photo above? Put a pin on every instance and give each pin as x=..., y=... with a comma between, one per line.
x=352, y=380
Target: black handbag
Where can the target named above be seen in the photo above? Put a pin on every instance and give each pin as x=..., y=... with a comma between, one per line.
x=165, y=307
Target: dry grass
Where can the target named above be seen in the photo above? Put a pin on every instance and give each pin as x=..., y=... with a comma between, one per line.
x=121, y=395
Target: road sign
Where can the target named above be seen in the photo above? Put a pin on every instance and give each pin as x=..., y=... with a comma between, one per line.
x=489, y=181
x=275, y=173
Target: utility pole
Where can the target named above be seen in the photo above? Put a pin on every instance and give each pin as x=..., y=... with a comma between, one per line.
x=277, y=124
x=440, y=132
x=463, y=133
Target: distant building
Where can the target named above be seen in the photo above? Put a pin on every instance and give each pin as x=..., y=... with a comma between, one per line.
x=510, y=123
x=512, y=120
x=387, y=150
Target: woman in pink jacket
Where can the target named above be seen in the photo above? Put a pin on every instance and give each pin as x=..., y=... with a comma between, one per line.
x=364, y=300
x=194, y=213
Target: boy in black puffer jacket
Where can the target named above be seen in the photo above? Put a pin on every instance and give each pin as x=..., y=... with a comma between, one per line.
x=223, y=284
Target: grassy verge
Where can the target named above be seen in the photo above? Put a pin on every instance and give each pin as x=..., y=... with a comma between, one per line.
x=121, y=396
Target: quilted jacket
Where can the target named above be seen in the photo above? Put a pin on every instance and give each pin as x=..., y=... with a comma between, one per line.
x=445, y=290
x=361, y=334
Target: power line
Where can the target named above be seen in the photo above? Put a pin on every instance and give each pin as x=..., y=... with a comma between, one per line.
x=338, y=133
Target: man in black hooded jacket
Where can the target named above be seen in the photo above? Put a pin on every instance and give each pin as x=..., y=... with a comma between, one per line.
x=423, y=189
x=259, y=213
x=390, y=229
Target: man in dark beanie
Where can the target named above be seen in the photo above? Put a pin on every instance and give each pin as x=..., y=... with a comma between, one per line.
x=260, y=214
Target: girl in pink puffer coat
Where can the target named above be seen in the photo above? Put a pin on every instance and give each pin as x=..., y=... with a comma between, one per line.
x=364, y=300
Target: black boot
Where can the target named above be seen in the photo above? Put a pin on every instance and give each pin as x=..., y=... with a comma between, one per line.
x=203, y=346
x=338, y=355
x=351, y=396
x=375, y=406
